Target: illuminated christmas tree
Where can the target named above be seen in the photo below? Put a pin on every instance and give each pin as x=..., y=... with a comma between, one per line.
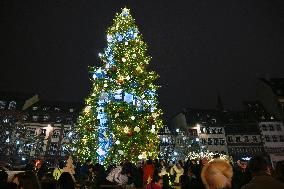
x=121, y=118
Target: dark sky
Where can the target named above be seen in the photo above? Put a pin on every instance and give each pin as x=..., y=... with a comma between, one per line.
x=199, y=47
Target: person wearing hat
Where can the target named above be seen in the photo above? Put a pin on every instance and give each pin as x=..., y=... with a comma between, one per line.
x=217, y=174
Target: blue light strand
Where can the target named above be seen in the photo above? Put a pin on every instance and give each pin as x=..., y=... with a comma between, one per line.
x=104, y=142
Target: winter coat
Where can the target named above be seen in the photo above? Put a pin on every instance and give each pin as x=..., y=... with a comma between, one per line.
x=177, y=171
x=148, y=172
x=163, y=171
x=57, y=172
x=263, y=181
x=116, y=176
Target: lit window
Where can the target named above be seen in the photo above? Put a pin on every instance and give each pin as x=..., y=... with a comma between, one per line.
x=230, y=139
x=238, y=139
x=254, y=139
x=12, y=105
x=25, y=117
x=5, y=120
x=2, y=105
x=210, y=141
x=267, y=138
x=246, y=138
x=274, y=138
x=45, y=117
x=55, y=134
x=58, y=119
x=35, y=118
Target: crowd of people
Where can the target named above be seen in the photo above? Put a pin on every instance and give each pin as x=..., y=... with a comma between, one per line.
x=151, y=174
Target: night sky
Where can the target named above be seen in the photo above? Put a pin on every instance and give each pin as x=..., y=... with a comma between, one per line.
x=199, y=47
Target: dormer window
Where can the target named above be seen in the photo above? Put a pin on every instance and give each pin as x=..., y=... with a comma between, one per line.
x=12, y=105
x=45, y=117
x=35, y=118
x=2, y=105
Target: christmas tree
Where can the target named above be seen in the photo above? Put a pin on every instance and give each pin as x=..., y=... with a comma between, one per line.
x=121, y=118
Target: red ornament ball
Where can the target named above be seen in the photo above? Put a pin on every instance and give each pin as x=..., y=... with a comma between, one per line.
x=130, y=133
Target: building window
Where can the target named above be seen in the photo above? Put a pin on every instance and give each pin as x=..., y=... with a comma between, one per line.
x=12, y=105
x=208, y=130
x=254, y=139
x=31, y=132
x=278, y=127
x=222, y=141
x=230, y=139
x=203, y=141
x=202, y=130
x=25, y=117
x=216, y=141
x=274, y=138
x=69, y=120
x=43, y=132
x=264, y=128
x=58, y=119
x=213, y=131
x=45, y=117
x=271, y=128
x=281, y=138
x=35, y=118
x=238, y=139
x=210, y=141
x=2, y=105
x=246, y=138
x=35, y=108
x=55, y=134
x=45, y=108
x=267, y=138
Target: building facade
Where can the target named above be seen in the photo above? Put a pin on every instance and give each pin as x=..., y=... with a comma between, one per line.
x=51, y=124
x=30, y=127
x=271, y=130
x=210, y=129
x=11, y=127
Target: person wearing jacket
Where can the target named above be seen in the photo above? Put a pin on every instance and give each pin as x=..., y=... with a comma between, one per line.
x=177, y=170
x=58, y=170
x=116, y=176
x=261, y=178
x=148, y=172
